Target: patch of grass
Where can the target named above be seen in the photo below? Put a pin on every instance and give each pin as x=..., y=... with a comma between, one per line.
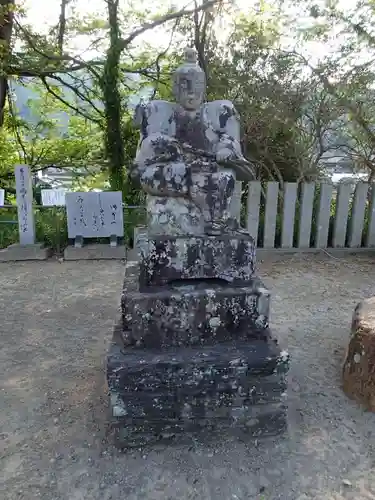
x=8, y=230
x=51, y=227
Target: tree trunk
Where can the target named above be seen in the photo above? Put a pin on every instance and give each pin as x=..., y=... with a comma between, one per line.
x=62, y=26
x=114, y=145
x=6, y=24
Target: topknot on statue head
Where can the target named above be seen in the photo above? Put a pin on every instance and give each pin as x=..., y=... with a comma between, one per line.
x=189, y=82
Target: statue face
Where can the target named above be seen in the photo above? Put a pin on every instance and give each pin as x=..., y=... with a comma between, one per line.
x=189, y=89
x=189, y=96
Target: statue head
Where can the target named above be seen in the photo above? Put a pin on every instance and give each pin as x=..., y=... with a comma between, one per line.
x=189, y=82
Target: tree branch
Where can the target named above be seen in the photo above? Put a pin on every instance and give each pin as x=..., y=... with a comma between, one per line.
x=67, y=104
x=15, y=129
x=59, y=58
x=32, y=73
x=159, y=57
x=124, y=42
x=79, y=94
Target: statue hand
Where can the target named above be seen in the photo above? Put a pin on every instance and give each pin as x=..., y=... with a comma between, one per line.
x=225, y=154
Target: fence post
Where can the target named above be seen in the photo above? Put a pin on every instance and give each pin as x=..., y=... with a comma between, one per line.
x=24, y=195
x=235, y=204
x=324, y=215
x=289, y=214
x=341, y=216
x=358, y=215
x=307, y=205
x=370, y=239
x=253, y=205
x=270, y=214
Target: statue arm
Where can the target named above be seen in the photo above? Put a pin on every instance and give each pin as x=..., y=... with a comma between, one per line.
x=155, y=117
x=157, y=148
x=228, y=148
x=157, y=130
x=225, y=122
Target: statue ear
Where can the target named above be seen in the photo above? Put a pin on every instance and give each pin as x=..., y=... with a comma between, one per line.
x=139, y=113
x=175, y=86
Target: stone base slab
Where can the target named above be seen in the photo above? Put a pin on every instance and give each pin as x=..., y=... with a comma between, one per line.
x=164, y=259
x=17, y=252
x=256, y=423
x=95, y=252
x=156, y=394
x=194, y=312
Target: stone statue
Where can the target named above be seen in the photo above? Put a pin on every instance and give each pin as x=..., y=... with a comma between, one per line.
x=189, y=157
x=193, y=349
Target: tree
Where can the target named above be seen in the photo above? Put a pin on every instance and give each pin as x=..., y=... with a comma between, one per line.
x=293, y=112
x=347, y=74
x=6, y=25
x=8, y=155
x=44, y=139
x=287, y=116
x=96, y=83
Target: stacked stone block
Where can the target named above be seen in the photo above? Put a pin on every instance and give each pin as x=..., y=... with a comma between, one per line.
x=194, y=350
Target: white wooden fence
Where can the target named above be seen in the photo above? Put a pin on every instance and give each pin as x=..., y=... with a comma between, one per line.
x=317, y=213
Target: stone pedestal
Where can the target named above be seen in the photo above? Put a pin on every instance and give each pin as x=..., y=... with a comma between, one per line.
x=193, y=348
x=165, y=260
x=359, y=365
x=164, y=393
x=95, y=251
x=18, y=252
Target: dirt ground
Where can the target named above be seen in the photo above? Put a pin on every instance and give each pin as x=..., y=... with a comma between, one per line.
x=56, y=323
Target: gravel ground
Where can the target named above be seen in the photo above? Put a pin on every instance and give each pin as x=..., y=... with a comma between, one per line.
x=56, y=322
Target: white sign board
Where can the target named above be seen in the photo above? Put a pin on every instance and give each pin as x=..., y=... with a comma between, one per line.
x=95, y=215
x=53, y=197
x=2, y=197
x=24, y=195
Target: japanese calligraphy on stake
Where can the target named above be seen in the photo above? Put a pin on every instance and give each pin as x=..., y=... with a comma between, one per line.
x=94, y=215
x=26, y=223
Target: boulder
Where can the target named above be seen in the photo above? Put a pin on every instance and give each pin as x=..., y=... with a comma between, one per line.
x=359, y=367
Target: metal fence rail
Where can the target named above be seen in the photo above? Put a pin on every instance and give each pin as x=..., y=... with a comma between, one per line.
x=51, y=224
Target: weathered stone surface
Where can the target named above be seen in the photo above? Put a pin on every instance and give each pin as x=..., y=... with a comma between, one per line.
x=270, y=420
x=194, y=312
x=205, y=198
x=189, y=157
x=166, y=259
x=157, y=392
x=359, y=366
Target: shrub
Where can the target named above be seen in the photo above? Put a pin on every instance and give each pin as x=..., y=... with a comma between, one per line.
x=8, y=231
x=51, y=227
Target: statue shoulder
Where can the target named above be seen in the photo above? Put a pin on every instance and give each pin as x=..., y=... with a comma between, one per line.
x=159, y=106
x=154, y=117
x=221, y=107
x=223, y=117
